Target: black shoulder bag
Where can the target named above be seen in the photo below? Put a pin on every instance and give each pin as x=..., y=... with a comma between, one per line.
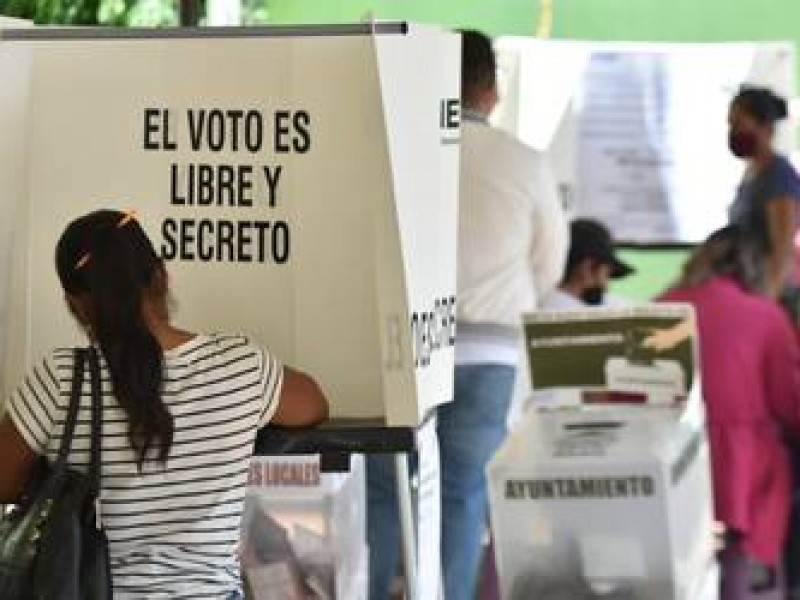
x=52, y=545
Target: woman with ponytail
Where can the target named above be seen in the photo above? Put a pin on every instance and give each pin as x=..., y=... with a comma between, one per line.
x=180, y=415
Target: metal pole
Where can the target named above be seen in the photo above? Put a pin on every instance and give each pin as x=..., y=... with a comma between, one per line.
x=408, y=530
x=190, y=13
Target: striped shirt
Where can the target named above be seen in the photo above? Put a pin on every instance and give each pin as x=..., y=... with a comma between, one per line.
x=173, y=530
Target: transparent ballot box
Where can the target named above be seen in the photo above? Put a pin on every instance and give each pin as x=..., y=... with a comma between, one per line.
x=304, y=530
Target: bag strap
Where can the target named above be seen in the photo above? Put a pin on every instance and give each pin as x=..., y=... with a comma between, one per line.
x=73, y=408
x=97, y=422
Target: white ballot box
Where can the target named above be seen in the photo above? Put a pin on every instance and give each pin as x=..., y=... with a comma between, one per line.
x=299, y=182
x=608, y=503
x=603, y=489
x=304, y=531
x=708, y=589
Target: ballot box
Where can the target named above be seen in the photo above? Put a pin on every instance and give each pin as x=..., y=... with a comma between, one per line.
x=608, y=503
x=304, y=530
x=603, y=488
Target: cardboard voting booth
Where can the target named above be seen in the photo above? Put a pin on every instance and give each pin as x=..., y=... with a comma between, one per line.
x=15, y=66
x=304, y=530
x=301, y=184
x=603, y=489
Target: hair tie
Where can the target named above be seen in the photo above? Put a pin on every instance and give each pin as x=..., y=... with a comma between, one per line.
x=126, y=219
x=82, y=261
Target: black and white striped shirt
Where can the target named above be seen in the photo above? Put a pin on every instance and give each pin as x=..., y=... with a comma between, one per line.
x=174, y=529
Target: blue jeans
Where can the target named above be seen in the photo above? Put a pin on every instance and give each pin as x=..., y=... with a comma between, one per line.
x=470, y=430
x=383, y=524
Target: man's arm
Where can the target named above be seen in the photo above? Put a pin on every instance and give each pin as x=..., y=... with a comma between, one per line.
x=550, y=232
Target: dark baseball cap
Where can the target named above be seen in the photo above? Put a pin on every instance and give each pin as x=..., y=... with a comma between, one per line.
x=592, y=239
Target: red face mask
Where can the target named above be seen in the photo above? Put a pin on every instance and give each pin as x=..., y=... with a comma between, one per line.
x=743, y=144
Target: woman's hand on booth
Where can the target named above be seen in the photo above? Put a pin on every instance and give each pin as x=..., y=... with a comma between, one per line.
x=662, y=340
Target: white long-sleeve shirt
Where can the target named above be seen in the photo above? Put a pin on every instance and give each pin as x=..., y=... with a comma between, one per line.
x=513, y=240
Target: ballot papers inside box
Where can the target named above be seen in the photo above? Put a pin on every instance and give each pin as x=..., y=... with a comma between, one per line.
x=609, y=503
x=639, y=355
x=306, y=198
x=303, y=531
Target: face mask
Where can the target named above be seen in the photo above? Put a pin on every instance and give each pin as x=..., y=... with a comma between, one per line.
x=743, y=144
x=593, y=296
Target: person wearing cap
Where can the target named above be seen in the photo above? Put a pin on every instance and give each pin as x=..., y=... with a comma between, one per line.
x=591, y=264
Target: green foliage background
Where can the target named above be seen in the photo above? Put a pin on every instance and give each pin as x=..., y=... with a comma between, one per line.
x=120, y=13
x=94, y=12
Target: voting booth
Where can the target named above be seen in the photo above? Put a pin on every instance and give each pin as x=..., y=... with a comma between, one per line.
x=15, y=64
x=300, y=183
x=603, y=490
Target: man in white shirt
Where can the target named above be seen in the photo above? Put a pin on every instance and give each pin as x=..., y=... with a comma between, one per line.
x=591, y=264
x=513, y=242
